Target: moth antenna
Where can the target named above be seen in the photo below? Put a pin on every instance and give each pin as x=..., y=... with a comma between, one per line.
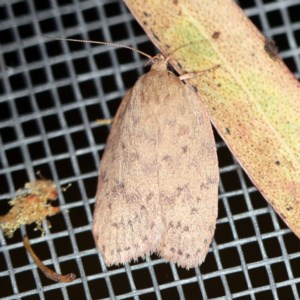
x=180, y=47
x=99, y=43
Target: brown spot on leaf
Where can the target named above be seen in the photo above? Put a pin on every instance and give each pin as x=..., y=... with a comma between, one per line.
x=216, y=35
x=155, y=36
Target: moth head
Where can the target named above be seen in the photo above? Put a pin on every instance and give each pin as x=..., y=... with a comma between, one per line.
x=159, y=62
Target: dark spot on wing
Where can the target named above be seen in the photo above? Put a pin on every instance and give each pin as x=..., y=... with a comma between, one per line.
x=167, y=158
x=149, y=196
x=117, y=189
x=171, y=224
x=194, y=211
x=115, y=225
x=184, y=149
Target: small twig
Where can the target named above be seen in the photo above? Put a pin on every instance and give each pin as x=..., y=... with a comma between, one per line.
x=104, y=121
x=47, y=272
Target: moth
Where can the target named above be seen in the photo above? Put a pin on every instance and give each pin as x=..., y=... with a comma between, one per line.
x=158, y=178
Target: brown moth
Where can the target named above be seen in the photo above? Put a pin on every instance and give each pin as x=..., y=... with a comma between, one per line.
x=158, y=179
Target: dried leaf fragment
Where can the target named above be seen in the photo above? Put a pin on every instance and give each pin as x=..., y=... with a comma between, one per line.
x=30, y=206
x=47, y=272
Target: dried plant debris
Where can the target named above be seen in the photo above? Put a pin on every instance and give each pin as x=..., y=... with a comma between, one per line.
x=104, y=121
x=30, y=206
x=271, y=48
x=47, y=272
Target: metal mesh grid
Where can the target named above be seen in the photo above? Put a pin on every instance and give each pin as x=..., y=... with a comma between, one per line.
x=51, y=93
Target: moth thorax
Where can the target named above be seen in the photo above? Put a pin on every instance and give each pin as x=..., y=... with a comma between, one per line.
x=159, y=63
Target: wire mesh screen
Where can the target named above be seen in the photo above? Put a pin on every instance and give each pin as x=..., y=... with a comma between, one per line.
x=52, y=93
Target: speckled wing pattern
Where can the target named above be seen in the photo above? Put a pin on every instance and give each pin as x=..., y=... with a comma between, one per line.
x=158, y=180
